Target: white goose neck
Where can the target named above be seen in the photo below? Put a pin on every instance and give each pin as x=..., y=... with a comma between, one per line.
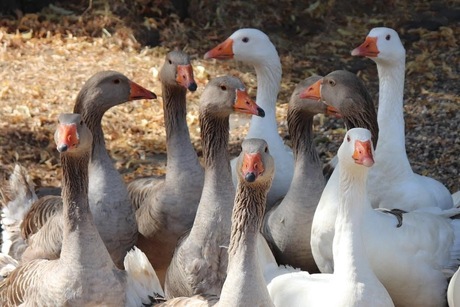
x=350, y=261
x=268, y=86
x=390, y=114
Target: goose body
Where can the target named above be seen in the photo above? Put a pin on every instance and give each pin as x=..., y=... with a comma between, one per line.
x=353, y=282
x=287, y=226
x=254, y=47
x=167, y=207
x=402, y=186
x=85, y=274
x=199, y=264
x=108, y=196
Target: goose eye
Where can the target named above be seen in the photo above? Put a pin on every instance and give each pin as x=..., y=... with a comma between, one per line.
x=266, y=149
x=245, y=39
x=169, y=61
x=388, y=37
x=348, y=138
x=116, y=81
x=223, y=87
x=331, y=82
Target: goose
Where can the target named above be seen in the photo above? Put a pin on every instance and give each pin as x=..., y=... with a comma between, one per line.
x=353, y=282
x=402, y=185
x=108, y=196
x=343, y=93
x=245, y=284
x=398, y=247
x=287, y=225
x=167, y=207
x=85, y=273
x=199, y=264
x=254, y=47
x=453, y=292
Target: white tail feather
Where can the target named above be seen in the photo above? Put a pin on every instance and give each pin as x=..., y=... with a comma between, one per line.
x=455, y=250
x=143, y=282
x=21, y=195
x=456, y=199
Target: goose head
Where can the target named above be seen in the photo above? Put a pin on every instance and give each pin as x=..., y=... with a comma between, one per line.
x=225, y=95
x=177, y=71
x=306, y=105
x=72, y=135
x=106, y=89
x=382, y=45
x=357, y=148
x=248, y=45
x=344, y=93
x=255, y=165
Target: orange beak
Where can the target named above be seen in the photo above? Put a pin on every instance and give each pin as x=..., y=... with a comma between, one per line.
x=223, y=51
x=368, y=48
x=331, y=111
x=313, y=91
x=363, y=153
x=252, y=166
x=185, y=77
x=244, y=104
x=138, y=92
x=68, y=137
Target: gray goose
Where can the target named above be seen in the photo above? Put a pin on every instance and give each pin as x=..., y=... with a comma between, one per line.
x=287, y=226
x=167, y=208
x=199, y=264
x=108, y=196
x=245, y=284
x=85, y=273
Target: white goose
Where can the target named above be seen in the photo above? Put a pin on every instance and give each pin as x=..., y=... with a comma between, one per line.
x=353, y=283
x=401, y=187
x=254, y=47
x=412, y=250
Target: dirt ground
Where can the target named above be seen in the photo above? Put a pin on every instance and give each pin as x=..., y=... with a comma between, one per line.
x=46, y=56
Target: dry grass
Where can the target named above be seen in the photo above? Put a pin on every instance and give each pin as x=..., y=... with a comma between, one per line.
x=42, y=72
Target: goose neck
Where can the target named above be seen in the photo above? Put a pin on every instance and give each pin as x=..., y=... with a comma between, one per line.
x=390, y=114
x=181, y=154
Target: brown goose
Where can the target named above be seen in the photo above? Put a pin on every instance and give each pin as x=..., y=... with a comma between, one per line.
x=108, y=196
x=167, y=208
x=84, y=274
x=199, y=264
x=287, y=225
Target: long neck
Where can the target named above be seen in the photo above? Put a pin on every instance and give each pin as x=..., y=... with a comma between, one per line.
x=214, y=210
x=181, y=154
x=390, y=112
x=350, y=261
x=308, y=174
x=268, y=85
x=245, y=284
x=81, y=241
x=93, y=119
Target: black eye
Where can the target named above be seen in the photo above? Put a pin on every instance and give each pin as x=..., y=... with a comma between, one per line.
x=223, y=87
x=245, y=39
x=348, y=138
x=116, y=81
x=388, y=37
x=266, y=149
x=169, y=61
x=81, y=123
x=331, y=82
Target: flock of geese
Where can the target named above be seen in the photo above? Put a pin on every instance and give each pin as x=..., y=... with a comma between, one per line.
x=263, y=229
